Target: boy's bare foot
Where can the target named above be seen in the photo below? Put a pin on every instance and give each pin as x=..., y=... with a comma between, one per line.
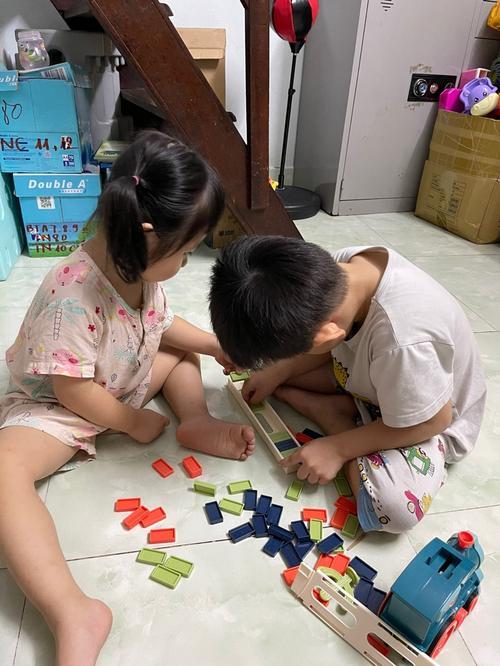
x=209, y=435
x=80, y=637
x=333, y=413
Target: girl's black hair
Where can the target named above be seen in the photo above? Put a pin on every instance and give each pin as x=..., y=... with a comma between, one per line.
x=269, y=296
x=160, y=181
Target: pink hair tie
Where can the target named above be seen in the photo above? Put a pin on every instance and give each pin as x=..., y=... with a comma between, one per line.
x=136, y=180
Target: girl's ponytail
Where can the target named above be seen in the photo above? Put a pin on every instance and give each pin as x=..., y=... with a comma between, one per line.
x=120, y=213
x=158, y=181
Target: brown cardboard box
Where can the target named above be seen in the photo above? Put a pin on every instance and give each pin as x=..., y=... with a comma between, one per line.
x=227, y=229
x=208, y=48
x=460, y=186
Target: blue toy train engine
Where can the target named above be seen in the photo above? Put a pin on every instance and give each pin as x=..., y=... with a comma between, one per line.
x=436, y=592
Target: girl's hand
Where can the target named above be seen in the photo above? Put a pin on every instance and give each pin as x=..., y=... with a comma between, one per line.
x=147, y=425
x=225, y=361
x=319, y=461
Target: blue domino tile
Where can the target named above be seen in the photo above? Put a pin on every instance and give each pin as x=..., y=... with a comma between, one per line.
x=375, y=600
x=328, y=544
x=274, y=514
x=259, y=525
x=273, y=546
x=362, y=591
x=213, y=513
x=280, y=533
x=285, y=445
x=312, y=433
x=303, y=547
x=263, y=504
x=290, y=555
x=363, y=569
x=250, y=500
x=241, y=532
x=300, y=530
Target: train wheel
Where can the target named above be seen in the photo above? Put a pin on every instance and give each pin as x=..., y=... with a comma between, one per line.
x=460, y=616
x=442, y=639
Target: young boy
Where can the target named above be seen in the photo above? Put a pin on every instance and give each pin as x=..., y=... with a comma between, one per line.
x=369, y=347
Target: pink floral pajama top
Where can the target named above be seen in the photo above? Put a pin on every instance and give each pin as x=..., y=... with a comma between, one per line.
x=79, y=326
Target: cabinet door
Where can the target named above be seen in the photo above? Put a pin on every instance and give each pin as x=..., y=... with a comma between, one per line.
x=389, y=136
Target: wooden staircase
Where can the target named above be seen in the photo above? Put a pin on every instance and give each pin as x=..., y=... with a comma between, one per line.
x=176, y=90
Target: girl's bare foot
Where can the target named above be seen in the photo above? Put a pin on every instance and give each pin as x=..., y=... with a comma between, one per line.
x=209, y=435
x=82, y=633
x=333, y=413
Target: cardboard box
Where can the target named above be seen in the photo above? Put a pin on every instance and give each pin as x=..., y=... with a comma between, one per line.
x=228, y=228
x=11, y=240
x=56, y=209
x=45, y=122
x=208, y=48
x=460, y=186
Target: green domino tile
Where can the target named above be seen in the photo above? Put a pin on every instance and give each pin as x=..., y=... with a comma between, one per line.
x=258, y=407
x=342, y=485
x=165, y=576
x=239, y=487
x=351, y=526
x=288, y=452
x=315, y=529
x=150, y=556
x=294, y=490
x=239, y=376
x=353, y=576
x=178, y=565
x=230, y=506
x=279, y=436
x=204, y=488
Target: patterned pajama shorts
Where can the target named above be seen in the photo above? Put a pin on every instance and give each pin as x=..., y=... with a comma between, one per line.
x=398, y=486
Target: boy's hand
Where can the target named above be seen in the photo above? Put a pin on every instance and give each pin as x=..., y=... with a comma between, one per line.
x=319, y=461
x=264, y=383
x=224, y=360
x=147, y=425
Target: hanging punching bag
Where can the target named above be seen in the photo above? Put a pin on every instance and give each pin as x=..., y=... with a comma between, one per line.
x=293, y=19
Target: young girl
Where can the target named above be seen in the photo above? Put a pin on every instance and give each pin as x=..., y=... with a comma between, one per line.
x=98, y=342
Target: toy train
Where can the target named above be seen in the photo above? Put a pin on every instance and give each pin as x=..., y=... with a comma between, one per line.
x=425, y=605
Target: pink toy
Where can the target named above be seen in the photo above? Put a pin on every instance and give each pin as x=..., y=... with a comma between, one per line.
x=470, y=74
x=449, y=100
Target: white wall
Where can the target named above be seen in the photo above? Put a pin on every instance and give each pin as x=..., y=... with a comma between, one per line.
x=24, y=14
x=229, y=14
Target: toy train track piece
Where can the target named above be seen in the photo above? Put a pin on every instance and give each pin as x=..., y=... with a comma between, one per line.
x=278, y=438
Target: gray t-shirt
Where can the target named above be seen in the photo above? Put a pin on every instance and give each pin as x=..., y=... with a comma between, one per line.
x=414, y=352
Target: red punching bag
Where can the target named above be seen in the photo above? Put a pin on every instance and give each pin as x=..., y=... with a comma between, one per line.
x=293, y=19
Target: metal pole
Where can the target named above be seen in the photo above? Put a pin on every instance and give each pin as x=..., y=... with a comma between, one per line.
x=291, y=91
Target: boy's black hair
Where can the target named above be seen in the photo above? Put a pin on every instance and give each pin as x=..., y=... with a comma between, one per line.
x=269, y=295
x=159, y=180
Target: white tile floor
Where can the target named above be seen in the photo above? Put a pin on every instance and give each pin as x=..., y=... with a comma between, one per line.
x=235, y=607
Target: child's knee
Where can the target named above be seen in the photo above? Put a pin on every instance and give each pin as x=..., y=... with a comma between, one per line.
x=386, y=512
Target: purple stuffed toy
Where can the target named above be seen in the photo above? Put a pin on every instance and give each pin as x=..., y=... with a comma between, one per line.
x=479, y=97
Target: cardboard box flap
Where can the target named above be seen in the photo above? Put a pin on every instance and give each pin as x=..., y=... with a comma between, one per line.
x=204, y=43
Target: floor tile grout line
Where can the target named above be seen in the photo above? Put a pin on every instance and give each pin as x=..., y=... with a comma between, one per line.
x=19, y=632
x=467, y=647
x=137, y=550
x=473, y=508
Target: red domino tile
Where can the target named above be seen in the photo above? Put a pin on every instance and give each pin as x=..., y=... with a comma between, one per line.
x=289, y=575
x=153, y=517
x=162, y=467
x=347, y=504
x=135, y=518
x=128, y=504
x=320, y=514
x=324, y=561
x=339, y=518
x=162, y=536
x=192, y=467
x=340, y=563
x=303, y=439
